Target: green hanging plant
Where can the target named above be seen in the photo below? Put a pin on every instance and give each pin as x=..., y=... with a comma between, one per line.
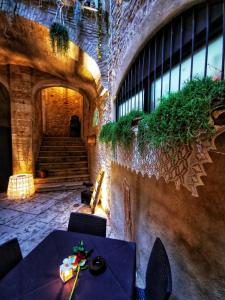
x=183, y=117
x=59, y=38
x=120, y=132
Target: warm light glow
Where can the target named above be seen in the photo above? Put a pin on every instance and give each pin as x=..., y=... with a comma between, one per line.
x=105, y=195
x=91, y=65
x=66, y=271
x=21, y=186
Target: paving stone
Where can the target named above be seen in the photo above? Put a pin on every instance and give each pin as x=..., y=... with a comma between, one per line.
x=21, y=220
x=33, y=219
x=47, y=216
x=7, y=214
x=7, y=233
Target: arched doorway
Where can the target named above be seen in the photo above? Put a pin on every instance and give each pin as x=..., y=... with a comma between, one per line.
x=60, y=105
x=5, y=139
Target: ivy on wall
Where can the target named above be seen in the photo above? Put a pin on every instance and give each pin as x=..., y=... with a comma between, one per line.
x=100, y=30
x=181, y=118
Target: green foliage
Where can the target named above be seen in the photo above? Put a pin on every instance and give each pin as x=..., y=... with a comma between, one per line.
x=184, y=116
x=120, y=132
x=107, y=133
x=59, y=38
x=123, y=129
x=181, y=118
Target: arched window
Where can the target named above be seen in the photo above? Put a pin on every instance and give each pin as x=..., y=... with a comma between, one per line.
x=191, y=45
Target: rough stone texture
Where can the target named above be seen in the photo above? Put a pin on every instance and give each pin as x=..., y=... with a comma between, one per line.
x=85, y=35
x=192, y=229
x=31, y=220
x=132, y=25
x=60, y=104
x=27, y=44
x=37, y=126
x=21, y=118
x=24, y=84
x=98, y=154
x=182, y=166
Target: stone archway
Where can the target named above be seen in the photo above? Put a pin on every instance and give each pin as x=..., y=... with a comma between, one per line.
x=5, y=138
x=59, y=104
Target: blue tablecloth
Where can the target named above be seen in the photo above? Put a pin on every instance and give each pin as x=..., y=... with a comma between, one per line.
x=37, y=276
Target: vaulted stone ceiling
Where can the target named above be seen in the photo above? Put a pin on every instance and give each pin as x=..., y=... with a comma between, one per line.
x=84, y=33
x=27, y=43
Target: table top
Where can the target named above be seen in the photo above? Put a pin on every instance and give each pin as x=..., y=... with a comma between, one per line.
x=37, y=275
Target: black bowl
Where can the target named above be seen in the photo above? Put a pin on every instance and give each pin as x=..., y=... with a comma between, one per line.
x=97, y=265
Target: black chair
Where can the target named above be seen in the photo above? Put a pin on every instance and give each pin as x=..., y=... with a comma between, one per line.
x=158, y=275
x=10, y=256
x=89, y=224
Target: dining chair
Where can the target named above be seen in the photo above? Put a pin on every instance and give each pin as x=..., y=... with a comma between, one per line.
x=10, y=256
x=89, y=224
x=158, y=275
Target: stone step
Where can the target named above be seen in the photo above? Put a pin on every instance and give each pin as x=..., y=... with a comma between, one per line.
x=67, y=172
x=58, y=159
x=60, y=179
x=62, y=153
x=61, y=138
x=65, y=159
x=63, y=148
x=64, y=165
x=56, y=187
x=62, y=143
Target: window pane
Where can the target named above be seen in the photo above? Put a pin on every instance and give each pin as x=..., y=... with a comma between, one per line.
x=166, y=83
x=130, y=108
x=152, y=94
x=174, y=79
x=185, y=71
x=157, y=91
x=199, y=63
x=140, y=100
x=214, y=66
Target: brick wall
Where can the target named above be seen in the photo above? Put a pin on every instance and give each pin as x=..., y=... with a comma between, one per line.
x=85, y=35
x=60, y=105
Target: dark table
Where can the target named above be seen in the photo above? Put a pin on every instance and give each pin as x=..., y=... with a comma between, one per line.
x=37, y=276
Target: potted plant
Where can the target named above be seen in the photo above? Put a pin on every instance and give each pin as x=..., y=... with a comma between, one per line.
x=41, y=172
x=59, y=37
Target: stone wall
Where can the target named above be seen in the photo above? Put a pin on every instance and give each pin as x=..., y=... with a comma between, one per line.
x=97, y=154
x=21, y=118
x=37, y=127
x=192, y=229
x=24, y=84
x=133, y=23
x=84, y=34
x=60, y=105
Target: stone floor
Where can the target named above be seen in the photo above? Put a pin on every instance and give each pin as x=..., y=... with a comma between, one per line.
x=33, y=219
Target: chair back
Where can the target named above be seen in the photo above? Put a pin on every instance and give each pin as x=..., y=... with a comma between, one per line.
x=10, y=256
x=89, y=224
x=158, y=275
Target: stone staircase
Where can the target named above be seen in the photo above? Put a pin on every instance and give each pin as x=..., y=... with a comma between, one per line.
x=65, y=159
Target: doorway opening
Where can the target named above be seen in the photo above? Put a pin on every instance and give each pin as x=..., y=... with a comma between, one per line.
x=5, y=139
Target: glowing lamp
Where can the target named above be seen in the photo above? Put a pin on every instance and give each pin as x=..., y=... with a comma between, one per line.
x=66, y=270
x=21, y=186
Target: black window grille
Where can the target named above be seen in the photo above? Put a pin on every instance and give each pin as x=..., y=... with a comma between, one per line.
x=191, y=45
